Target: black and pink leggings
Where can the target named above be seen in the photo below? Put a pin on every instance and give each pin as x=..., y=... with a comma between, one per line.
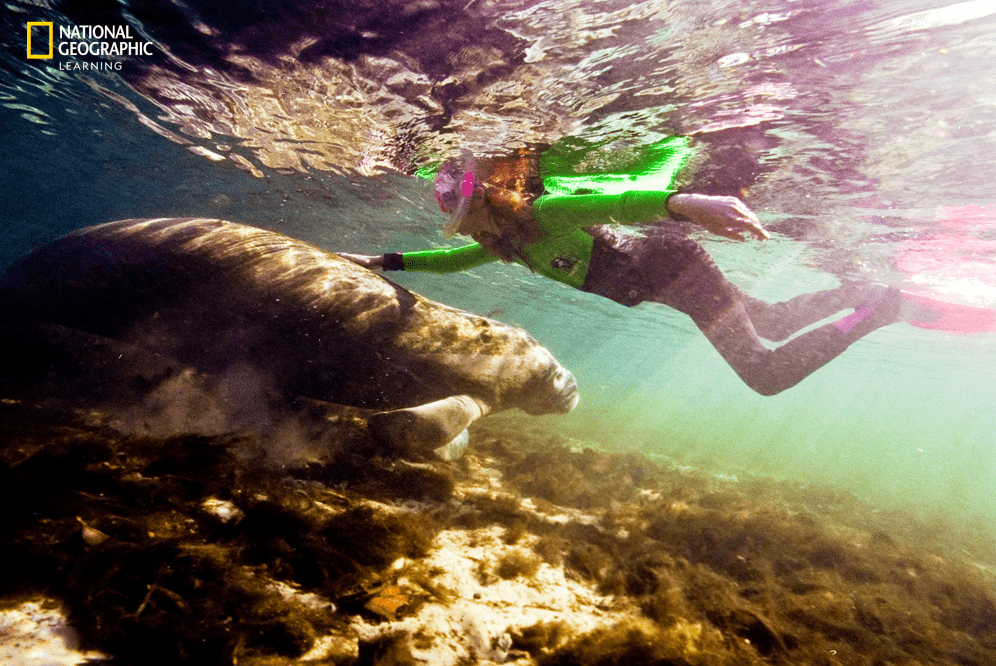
x=679, y=273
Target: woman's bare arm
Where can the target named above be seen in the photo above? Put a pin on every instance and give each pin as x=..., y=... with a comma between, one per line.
x=724, y=216
x=371, y=261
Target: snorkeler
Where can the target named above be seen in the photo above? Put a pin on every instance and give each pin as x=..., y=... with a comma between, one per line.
x=564, y=228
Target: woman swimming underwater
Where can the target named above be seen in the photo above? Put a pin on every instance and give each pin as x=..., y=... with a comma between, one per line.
x=565, y=228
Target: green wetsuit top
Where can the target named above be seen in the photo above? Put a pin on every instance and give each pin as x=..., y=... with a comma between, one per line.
x=565, y=252
x=574, y=201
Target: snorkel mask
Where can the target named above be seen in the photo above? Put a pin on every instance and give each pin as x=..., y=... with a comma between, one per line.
x=455, y=183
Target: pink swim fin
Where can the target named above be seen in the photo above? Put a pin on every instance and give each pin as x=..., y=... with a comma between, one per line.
x=941, y=315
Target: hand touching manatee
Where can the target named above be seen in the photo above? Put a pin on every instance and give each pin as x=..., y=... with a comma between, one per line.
x=371, y=261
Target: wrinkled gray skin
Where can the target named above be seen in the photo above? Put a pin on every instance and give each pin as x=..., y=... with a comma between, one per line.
x=216, y=295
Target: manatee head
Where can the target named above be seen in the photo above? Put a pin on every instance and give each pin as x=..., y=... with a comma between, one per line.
x=553, y=391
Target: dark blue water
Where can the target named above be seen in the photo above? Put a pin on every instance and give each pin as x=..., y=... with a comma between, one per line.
x=861, y=132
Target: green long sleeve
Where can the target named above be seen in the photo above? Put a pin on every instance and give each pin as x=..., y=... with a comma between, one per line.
x=563, y=255
x=560, y=214
x=448, y=260
x=575, y=200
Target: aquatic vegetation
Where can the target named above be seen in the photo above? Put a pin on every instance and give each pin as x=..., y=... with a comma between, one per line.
x=785, y=570
x=542, y=637
x=201, y=550
x=640, y=642
x=551, y=548
x=516, y=563
x=386, y=650
x=172, y=581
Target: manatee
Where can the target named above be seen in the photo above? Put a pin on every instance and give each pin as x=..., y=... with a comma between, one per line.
x=216, y=295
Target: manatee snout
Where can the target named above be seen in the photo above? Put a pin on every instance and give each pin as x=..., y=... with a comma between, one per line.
x=566, y=391
x=556, y=392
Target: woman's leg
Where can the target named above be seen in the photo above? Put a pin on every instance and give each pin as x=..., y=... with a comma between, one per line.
x=778, y=321
x=727, y=318
x=679, y=273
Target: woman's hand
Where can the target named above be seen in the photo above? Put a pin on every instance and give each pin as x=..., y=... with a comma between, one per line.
x=724, y=216
x=371, y=261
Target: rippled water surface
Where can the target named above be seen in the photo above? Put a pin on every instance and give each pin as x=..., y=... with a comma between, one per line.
x=862, y=133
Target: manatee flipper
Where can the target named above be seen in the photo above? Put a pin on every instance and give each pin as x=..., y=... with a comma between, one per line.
x=425, y=428
x=454, y=449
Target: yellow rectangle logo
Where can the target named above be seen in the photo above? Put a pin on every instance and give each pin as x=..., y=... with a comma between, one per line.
x=51, y=40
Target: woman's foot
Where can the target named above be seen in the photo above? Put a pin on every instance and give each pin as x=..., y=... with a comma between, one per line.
x=879, y=305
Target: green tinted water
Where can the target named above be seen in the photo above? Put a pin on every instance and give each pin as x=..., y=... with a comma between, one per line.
x=864, y=128
x=904, y=417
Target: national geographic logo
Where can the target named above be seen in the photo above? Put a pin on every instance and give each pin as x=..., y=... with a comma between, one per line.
x=48, y=29
x=101, y=41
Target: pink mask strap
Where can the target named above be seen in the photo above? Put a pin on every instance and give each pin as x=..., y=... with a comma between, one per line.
x=467, y=184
